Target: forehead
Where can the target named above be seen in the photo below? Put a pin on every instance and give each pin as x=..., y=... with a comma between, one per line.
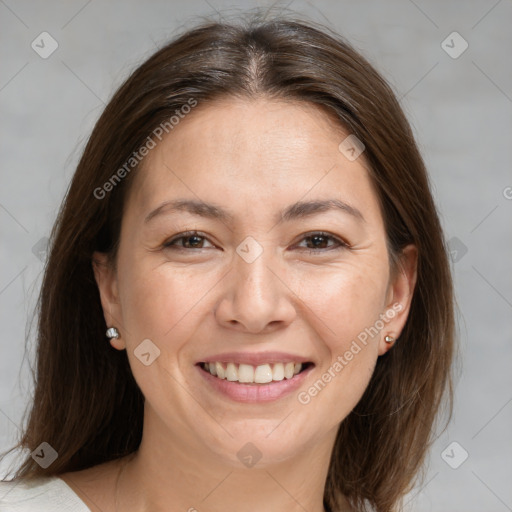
x=253, y=151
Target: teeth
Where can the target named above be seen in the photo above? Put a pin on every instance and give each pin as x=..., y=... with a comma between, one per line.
x=288, y=370
x=263, y=374
x=278, y=371
x=231, y=373
x=219, y=370
x=247, y=373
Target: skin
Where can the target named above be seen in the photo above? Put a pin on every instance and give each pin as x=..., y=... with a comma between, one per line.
x=254, y=158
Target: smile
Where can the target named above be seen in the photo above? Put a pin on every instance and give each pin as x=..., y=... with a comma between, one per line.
x=251, y=383
x=250, y=374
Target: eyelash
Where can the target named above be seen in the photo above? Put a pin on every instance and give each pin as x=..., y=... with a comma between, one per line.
x=187, y=234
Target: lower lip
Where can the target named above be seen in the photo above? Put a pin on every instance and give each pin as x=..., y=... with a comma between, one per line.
x=255, y=393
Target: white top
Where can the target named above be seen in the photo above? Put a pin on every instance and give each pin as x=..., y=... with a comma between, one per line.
x=50, y=494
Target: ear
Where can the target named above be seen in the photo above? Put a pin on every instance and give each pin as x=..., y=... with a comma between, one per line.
x=106, y=279
x=399, y=296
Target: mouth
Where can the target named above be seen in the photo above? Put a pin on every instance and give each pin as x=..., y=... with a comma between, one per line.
x=250, y=374
x=257, y=382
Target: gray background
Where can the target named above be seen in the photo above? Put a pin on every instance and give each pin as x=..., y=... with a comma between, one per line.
x=460, y=109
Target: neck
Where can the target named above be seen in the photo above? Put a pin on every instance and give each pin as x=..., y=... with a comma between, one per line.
x=163, y=474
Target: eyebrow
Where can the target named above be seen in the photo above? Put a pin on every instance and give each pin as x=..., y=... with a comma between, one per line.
x=298, y=210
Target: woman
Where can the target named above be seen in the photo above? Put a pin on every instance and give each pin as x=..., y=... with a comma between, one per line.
x=251, y=226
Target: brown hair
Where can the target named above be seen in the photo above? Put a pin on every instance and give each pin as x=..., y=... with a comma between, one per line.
x=87, y=404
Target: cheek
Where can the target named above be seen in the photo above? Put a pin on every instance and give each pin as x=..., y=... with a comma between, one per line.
x=344, y=301
x=153, y=299
x=346, y=305
x=164, y=305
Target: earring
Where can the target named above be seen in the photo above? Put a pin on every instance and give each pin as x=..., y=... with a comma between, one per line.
x=112, y=332
x=389, y=339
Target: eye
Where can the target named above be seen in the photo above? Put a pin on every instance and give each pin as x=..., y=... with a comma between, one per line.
x=318, y=242
x=189, y=239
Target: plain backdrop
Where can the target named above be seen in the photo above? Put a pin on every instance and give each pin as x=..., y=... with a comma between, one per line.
x=458, y=100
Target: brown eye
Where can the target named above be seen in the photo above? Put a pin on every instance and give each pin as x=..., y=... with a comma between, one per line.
x=315, y=242
x=188, y=240
x=318, y=242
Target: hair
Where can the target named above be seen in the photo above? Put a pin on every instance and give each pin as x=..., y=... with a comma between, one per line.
x=86, y=402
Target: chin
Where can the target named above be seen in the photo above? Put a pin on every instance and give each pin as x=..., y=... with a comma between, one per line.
x=259, y=442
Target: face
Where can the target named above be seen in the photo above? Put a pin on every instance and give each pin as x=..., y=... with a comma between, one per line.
x=267, y=285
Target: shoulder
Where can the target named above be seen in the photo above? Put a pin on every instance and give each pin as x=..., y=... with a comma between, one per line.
x=49, y=494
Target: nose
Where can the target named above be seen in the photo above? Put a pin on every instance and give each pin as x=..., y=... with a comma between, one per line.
x=256, y=297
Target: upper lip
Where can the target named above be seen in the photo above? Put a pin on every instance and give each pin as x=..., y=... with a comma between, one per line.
x=255, y=358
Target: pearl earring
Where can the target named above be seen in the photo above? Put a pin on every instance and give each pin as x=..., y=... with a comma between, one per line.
x=389, y=339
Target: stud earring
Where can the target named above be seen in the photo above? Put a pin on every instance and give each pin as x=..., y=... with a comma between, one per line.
x=112, y=332
x=389, y=339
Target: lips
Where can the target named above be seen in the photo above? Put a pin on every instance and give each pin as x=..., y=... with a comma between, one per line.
x=253, y=392
x=254, y=369
x=255, y=358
